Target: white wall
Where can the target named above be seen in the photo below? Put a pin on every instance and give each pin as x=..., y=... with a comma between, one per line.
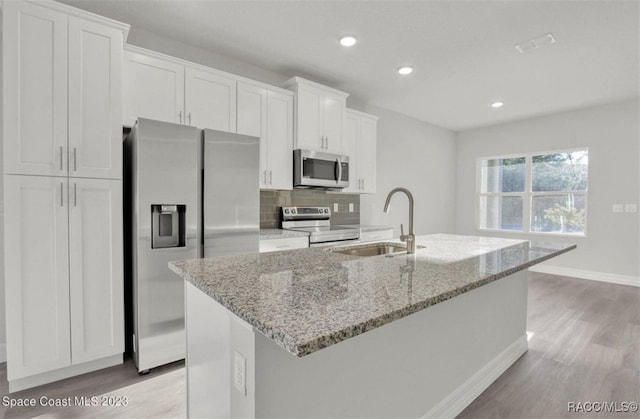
x=613, y=136
x=420, y=157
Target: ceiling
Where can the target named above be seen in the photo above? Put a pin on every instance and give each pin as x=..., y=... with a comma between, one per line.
x=462, y=51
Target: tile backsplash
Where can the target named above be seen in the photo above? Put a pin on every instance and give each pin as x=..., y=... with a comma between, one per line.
x=271, y=201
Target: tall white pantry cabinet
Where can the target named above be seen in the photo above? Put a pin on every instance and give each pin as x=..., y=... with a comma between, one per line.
x=62, y=135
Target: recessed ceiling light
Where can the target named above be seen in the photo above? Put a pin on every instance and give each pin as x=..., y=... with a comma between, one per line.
x=405, y=70
x=497, y=104
x=348, y=41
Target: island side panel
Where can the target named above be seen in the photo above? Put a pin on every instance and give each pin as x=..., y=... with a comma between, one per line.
x=406, y=368
x=208, y=356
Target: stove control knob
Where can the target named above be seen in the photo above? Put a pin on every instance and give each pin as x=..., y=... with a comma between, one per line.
x=326, y=210
x=293, y=210
x=286, y=211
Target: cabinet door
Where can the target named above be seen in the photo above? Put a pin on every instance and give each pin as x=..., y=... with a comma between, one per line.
x=352, y=126
x=153, y=88
x=95, y=269
x=95, y=100
x=367, y=154
x=35, y=89
x=210, y=100
x=279, y=140
x=36, y=275
x=309, y=116
x=252, y=120
x=333, y=110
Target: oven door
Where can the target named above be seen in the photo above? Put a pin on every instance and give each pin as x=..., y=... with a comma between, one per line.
x=320, y=170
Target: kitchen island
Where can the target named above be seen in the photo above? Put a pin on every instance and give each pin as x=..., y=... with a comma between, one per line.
x=283, y=334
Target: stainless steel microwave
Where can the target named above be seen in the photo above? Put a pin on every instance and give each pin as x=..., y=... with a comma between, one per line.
x=314, y=169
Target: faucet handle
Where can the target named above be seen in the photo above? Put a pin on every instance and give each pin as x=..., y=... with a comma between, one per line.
x=403, y=238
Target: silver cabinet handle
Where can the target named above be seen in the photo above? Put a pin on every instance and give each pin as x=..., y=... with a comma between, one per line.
x=265, y=176
x=362, y=184
x=326, y=140
x=61, y=197
x=75, y=195
x=270, y=177
x=74, y=160
x=180, y=116
x=189, y=118
x=60, y=157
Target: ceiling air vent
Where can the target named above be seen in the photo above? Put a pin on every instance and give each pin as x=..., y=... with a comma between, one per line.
x=535, y=43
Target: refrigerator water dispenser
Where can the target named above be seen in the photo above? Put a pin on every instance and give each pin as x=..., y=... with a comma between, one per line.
x=167, y=226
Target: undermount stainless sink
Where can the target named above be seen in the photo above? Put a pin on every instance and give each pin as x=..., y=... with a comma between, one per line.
x=373, y=249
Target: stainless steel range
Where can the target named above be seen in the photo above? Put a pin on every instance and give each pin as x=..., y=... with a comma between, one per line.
x=317, y=222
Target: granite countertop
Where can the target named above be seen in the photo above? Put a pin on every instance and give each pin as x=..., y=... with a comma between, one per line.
x=307, y=299
x=277, y=233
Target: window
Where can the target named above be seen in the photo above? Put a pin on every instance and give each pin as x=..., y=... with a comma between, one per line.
x=534, y=193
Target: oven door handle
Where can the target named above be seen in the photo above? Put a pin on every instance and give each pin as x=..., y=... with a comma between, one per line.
x=339, y=170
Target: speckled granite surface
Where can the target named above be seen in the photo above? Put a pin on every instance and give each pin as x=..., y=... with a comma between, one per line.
x=276, y=233
x=308, y=299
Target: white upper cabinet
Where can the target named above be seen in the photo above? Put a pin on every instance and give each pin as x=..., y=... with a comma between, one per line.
x=95, y=100
x=360, y=146
x=35, y=89
x=279, y=140
x=153, y=88
x=210, y=100
x=268, y=113
x=168, y=89
x=63, y=92
x=320, y=116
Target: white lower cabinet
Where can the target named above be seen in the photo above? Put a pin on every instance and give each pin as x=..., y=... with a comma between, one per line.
x=289, y=243
x=63, y=275
x=375, y=235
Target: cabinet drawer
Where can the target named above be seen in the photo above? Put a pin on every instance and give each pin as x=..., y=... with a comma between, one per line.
x=275, y=245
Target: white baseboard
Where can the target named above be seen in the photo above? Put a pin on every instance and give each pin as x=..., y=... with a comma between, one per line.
x=3, y=352
x=591, y=275
x=460, y=398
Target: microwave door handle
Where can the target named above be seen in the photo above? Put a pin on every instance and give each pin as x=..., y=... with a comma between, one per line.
x=339, y=170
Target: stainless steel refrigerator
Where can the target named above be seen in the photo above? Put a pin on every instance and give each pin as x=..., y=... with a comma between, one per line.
x=189, y=193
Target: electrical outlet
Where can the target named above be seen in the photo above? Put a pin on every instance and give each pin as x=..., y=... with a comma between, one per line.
x=240, y=372
x=350, y=206
x=630, y=208
x=617, y=208
x=335, y=207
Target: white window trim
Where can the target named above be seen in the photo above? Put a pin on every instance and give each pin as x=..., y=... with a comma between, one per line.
x=527, y=195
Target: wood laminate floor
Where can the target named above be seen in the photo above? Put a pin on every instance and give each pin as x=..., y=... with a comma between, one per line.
x=584, y=347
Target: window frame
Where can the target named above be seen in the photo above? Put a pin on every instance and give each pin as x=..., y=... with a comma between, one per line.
x=528, y=194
